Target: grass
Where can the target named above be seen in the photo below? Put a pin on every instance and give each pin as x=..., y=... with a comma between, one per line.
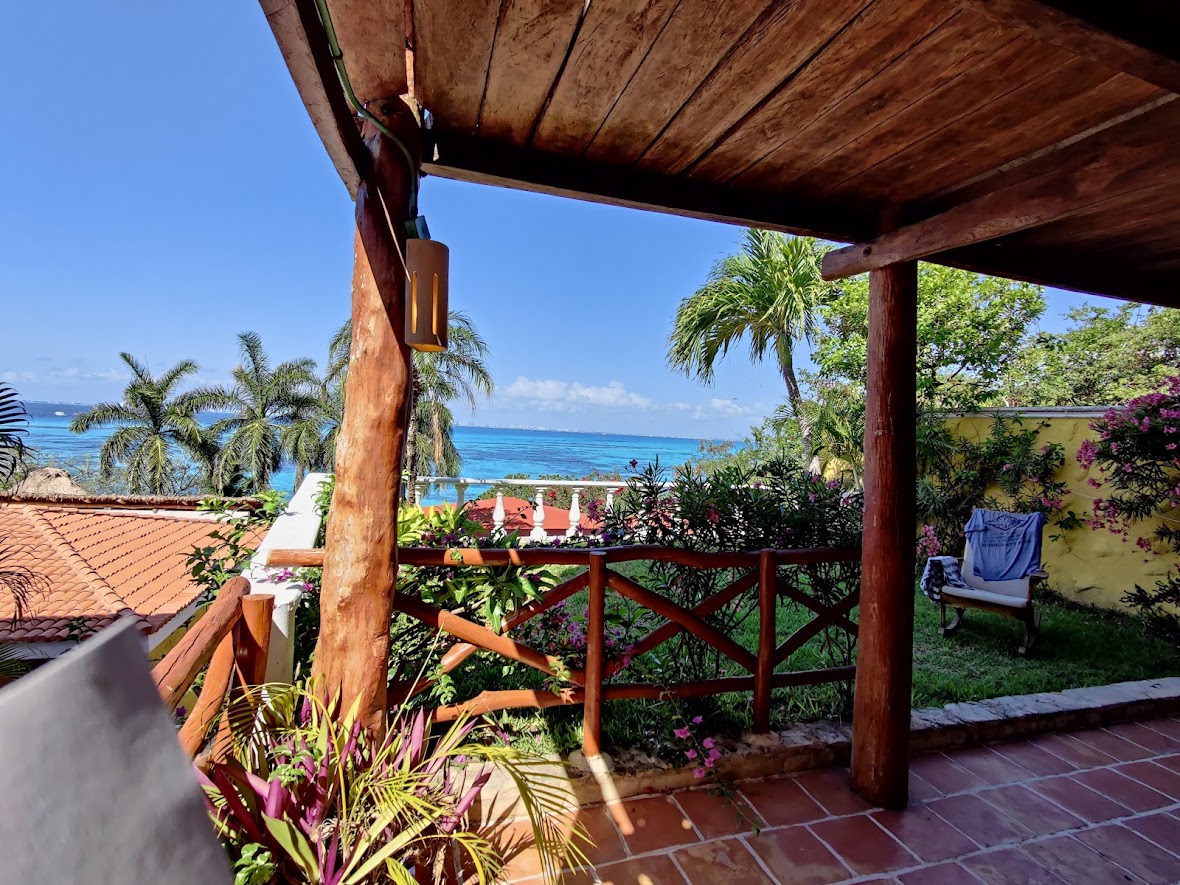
x=1078, y=646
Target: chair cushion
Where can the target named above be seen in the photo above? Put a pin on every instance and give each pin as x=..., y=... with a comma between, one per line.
x=985, y=596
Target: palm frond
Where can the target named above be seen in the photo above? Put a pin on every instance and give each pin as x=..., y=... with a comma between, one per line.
x=13, y=427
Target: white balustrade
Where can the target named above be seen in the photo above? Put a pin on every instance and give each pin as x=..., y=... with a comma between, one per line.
x=538, y=533
x=575, y=514
x=504, y=486
x=498, y=513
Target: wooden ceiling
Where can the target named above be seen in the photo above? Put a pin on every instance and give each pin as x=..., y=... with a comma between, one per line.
x=1029, y=139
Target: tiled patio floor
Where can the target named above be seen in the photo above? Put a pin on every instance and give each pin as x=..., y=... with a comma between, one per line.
x=1099, y=806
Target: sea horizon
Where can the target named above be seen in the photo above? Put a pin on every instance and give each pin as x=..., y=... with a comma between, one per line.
x=488, y=452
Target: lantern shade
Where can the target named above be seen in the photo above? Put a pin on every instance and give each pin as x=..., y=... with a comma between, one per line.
x=427, y=264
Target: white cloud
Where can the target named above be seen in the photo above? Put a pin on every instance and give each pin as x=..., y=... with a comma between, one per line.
x=728, y=407
x=613, y=395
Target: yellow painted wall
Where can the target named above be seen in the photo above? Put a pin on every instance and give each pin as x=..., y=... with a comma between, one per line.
x=1091, y=566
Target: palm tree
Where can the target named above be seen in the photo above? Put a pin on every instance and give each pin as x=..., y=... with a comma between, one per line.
x=13, y=423
x=436, y=379
x=158, y=430
x=311, y=442
x=767, y=292
x=837, y=421
x=271, y=409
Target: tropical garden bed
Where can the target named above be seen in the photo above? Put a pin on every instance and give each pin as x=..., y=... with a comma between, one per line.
x=1081, y=646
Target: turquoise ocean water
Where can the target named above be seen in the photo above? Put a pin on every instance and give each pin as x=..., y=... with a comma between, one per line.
x=488, y=452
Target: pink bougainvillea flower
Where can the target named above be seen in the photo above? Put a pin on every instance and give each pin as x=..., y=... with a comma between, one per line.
x=697, y=720
x=691, y=754
x=699, y=773
x=681, y=733
x=707, y=743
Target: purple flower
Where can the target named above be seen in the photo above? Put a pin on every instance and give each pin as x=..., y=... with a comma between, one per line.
x=698, y=773
x=691, y=754
x=681, y=733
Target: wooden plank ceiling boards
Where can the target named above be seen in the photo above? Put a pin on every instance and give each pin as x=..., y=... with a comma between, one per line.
x=1022, y=138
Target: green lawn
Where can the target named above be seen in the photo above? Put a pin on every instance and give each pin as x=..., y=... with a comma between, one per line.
x=1077, y=647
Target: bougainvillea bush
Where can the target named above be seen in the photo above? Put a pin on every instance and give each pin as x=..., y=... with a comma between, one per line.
x=1137, y=456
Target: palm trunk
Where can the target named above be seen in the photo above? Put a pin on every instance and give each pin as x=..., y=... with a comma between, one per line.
x=795, y=396
x=409, y=469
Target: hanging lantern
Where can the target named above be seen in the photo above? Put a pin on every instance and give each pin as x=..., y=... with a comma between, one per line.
x=426, y=294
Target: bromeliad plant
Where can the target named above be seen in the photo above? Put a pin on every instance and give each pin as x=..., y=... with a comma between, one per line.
x=310, y=796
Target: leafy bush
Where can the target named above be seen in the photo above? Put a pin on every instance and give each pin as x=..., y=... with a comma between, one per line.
x=215, y=563
x=1138, y=455
x=954, y=475
x=310, y=796
x=775, y=505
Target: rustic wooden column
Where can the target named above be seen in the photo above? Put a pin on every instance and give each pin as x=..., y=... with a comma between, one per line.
x=884, y=671
x=360, y=556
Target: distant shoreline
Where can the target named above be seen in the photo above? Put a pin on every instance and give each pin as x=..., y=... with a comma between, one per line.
x=48, y=409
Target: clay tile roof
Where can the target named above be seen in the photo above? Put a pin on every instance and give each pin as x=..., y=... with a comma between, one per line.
x=98, y=566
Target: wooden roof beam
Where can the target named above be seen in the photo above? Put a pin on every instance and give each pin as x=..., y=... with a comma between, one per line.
x=1135, y=156
x=465, y=158
x=1128, y=40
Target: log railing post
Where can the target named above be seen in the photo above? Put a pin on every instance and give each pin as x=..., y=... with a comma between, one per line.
x=595, y=627
x=884, y=666
x=764, y=672
x=252, y=637
x=360, y=550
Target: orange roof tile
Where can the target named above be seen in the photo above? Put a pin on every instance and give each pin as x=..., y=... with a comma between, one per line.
x=98, y=566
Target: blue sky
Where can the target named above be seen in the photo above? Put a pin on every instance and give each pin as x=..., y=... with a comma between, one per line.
x=163, y=189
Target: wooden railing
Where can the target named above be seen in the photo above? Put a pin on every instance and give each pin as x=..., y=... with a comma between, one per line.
x=589, y=686
x=232, y=637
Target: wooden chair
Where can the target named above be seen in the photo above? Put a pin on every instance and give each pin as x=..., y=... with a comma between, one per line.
x=1012, y=599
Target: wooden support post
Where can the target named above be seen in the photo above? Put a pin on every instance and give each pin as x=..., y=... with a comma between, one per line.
x=767, y=639
x=881, y=711
x=360, y=557
x=595, y=625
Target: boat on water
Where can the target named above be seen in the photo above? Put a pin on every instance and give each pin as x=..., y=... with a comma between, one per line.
x=60, y=414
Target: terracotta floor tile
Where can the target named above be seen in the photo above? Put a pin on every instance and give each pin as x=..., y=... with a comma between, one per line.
x=1159, y=778
x=794, y=855
x=1146, y=737
x=726, y=862
x=829, y=787
x=1071, y=750
x=1031, y=809
x=991, y=767
x=1039, y=761
x=1112, y=745
x=1010, y=866
x=1079, y=799
x=717, y=815
x=925, y=833
x=517, y=847
x=1132, y=852
x=1172, y=763
x=982, y=822
x=922, y=790
x=1170, y=727
x=607, y=846
x=1162, y=829
x=1075, y=863
x=655, y=870
x=865, y=847
x=782, y=802
x=1134, y=795
x=653, y=823
x=943, y=774
x=941, y=874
